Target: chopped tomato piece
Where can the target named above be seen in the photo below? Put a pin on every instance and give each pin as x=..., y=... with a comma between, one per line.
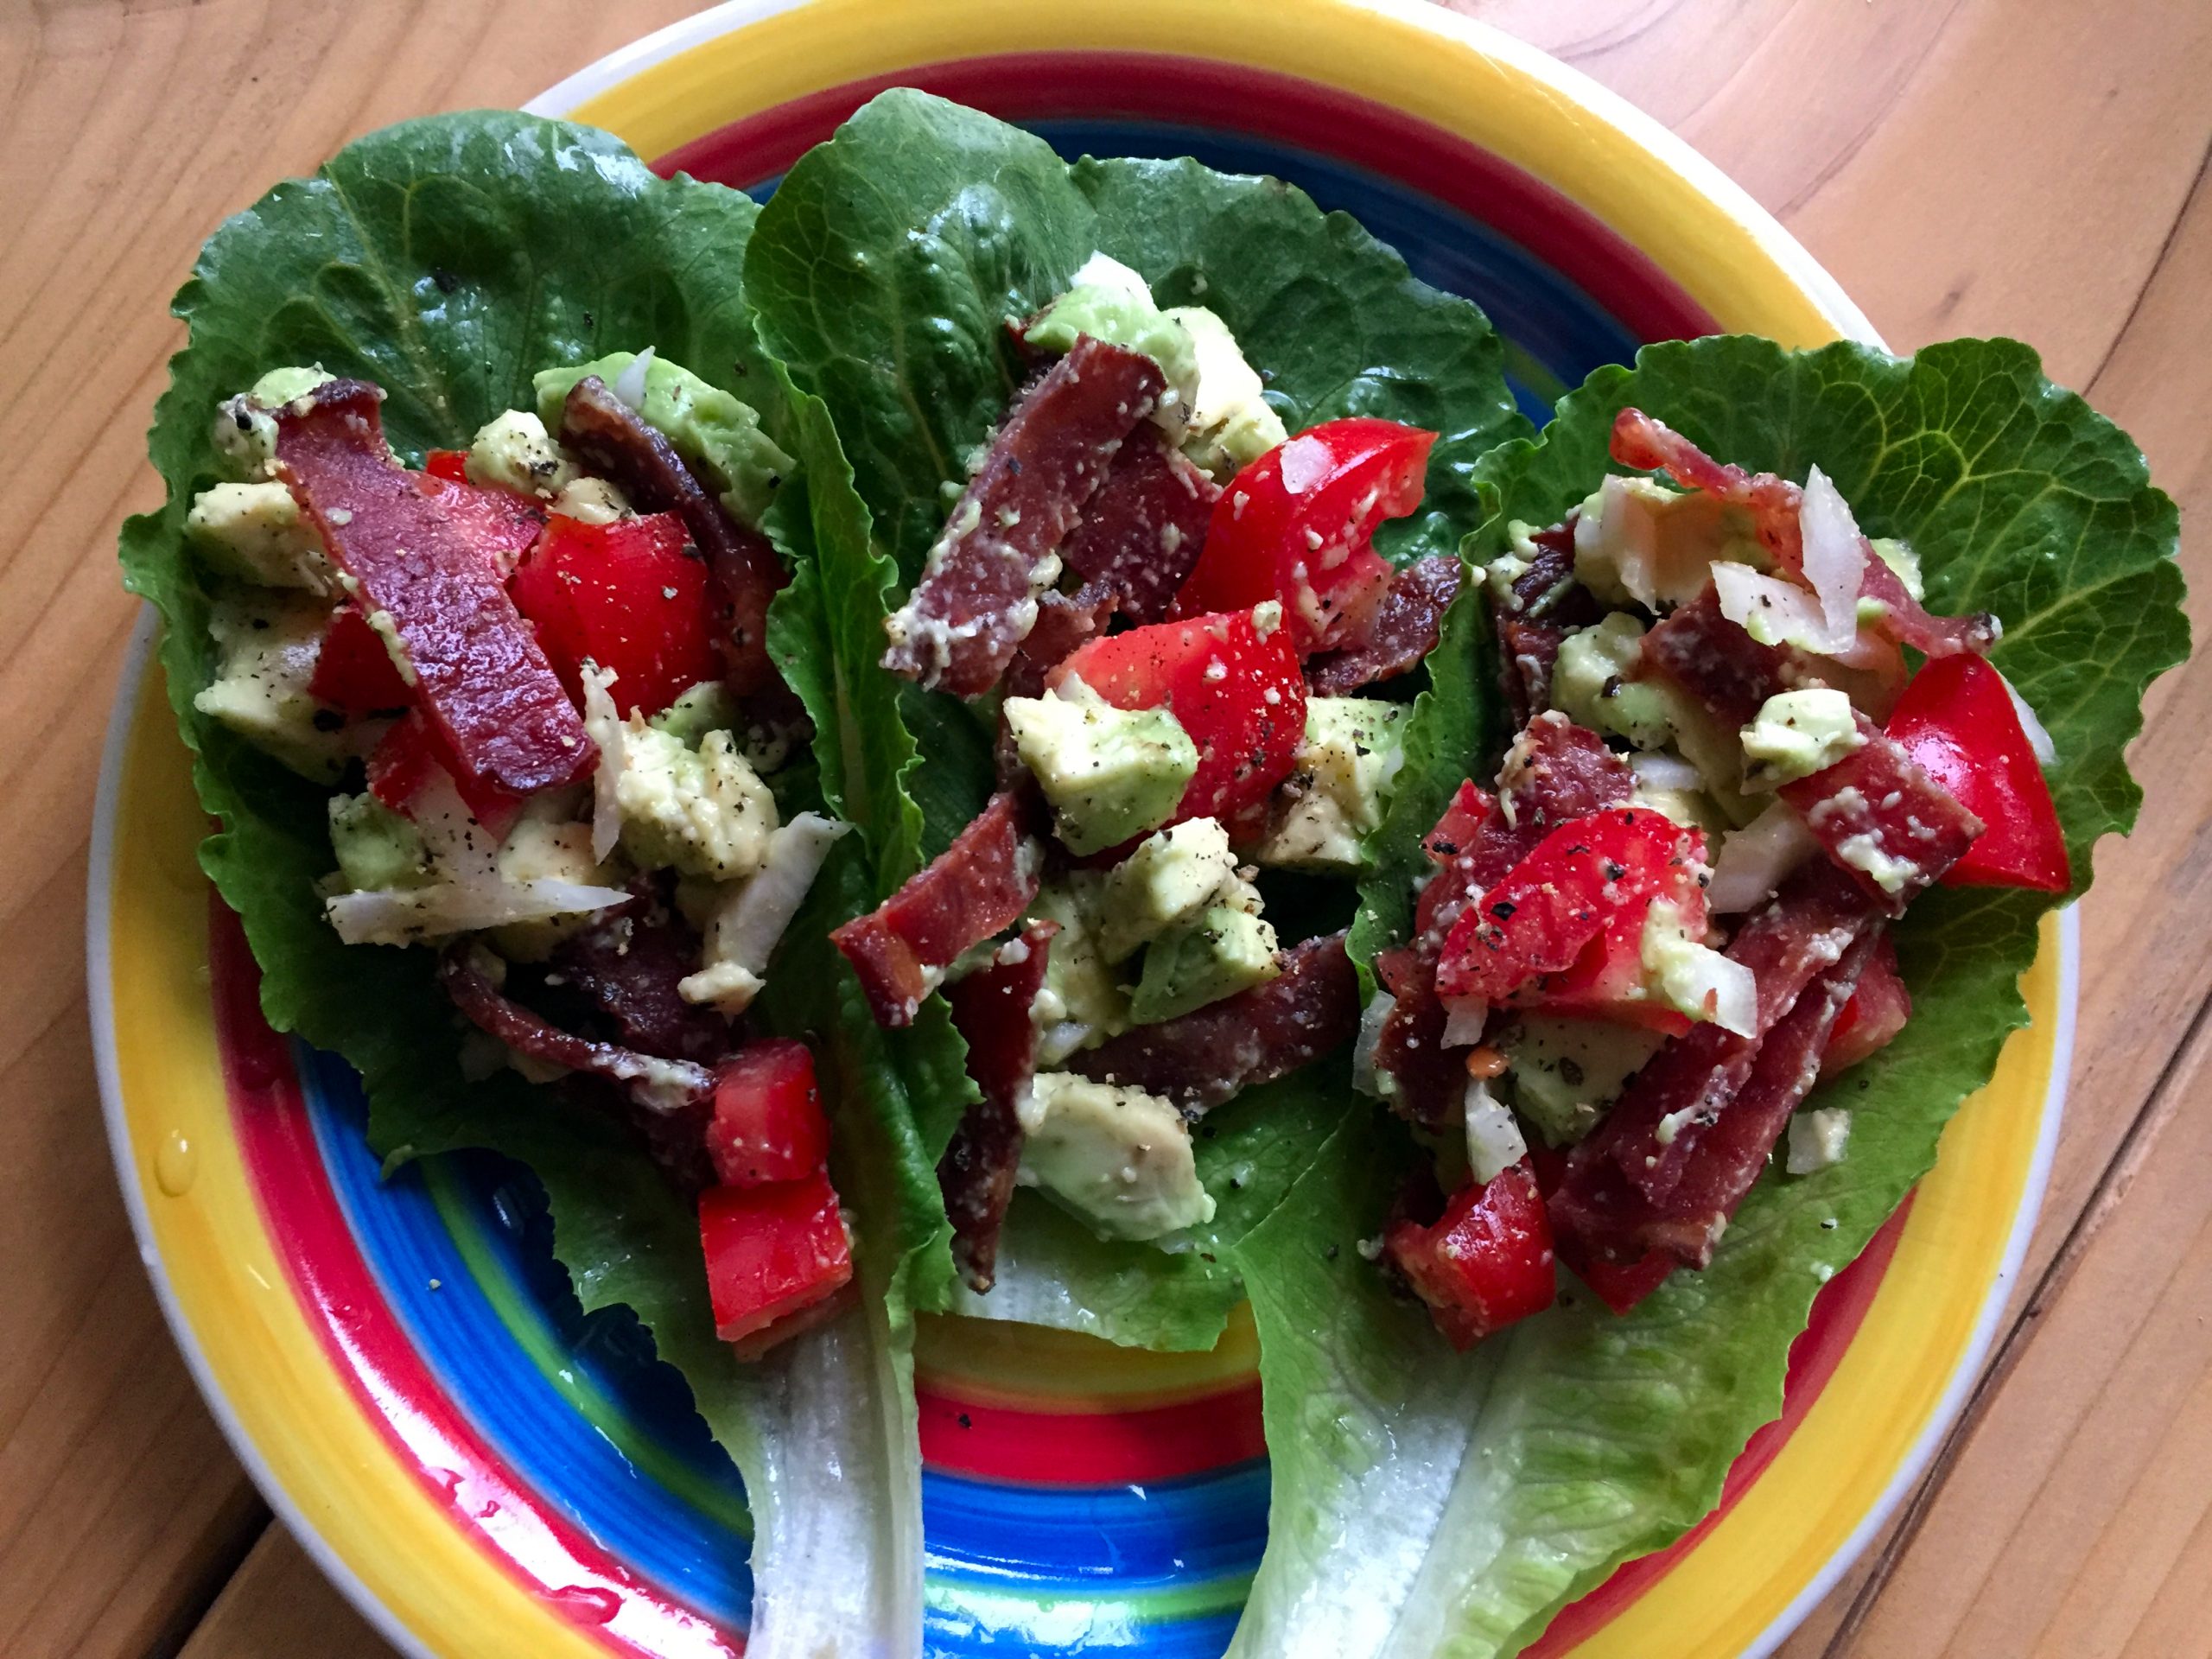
x=1236, y=691
x=1565, y=923
x=768, y=1122
x=452, y=465
x=354, y=672
x=411, y=754
x=771, y=1251
x=629, y=597
x=1486, y=1263
x=1297, y=524
x=1957, y=719
x=1621, y=1285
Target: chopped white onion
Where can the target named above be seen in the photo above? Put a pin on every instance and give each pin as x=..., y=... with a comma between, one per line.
x=604, y=721
x=1665, y=771
x=630, y=385
x=1103, y=271
x=1364, y=1078
x=2039, y=739
x=462, y=850
x=1464, y=1020
x=1495, y=1142
x=1835, y=558
x=1774, y=611
x=744, y=932
x=414, y=915
x=1723, y=989
x=1754, y=860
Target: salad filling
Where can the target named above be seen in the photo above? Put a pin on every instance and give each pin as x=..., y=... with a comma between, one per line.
x=536, y=672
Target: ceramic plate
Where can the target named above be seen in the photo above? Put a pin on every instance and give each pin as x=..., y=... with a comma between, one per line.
x=485, y=1472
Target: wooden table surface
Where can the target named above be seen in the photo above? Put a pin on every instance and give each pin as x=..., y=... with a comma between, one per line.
x=2034, y=168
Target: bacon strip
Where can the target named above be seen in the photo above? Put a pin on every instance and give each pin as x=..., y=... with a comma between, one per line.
x=991, y=1007
x=1652, y=1134
x=659, y=1085
x=1877, y=807
x=480, y=677
x=959, y=628
x=1406, y=625
x=1141, y=532
x=1216, y=1053
x=626, y=966
x=977, y=886
x=1598, y=1214
x=1554, y=772
x=1717, y=664
x=607, y=433
x=1774, y=505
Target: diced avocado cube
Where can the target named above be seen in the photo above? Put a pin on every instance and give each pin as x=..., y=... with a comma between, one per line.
x=1173, y=876
x=537, y=850
x=702, y=812
x=1339, y=784
x=1229, y=423
x=1114, y=1155
x=267, y=643
x=1591, y=684
x=376, y=847
x=245, y=430
x=1796, y=734
x=707, y=707
x=1110, y=773
x=1110, y=302
x=254, y=532
x=1818, y=1140
x=1082, y=1002
x=1224, y=951
x=515, y=452
x=707, y=426
x=1565, y=1071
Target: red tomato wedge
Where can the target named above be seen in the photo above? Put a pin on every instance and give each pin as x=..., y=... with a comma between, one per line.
x=1621, y=1285
x=629, y=597
x=1236, y=691
x=772, y=1250
x=412, y=754
x=353, y=672
x=452, y=465
x=1298, y=525
x=1957, y=719
x=1565, y=923
x=768, y=1122
x=1486, y=1263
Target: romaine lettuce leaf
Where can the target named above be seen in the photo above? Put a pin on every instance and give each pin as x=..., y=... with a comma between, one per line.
x=448, y=260
x=1427, y=1502
x=884, y=271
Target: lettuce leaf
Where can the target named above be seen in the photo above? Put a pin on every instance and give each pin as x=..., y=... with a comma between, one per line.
x=883, y=272
x=448, y=260
x=1425, y=1503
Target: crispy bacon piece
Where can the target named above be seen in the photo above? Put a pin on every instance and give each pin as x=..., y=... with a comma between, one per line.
x=1140, y=534
x=1065, y=623
x=990, y=1008
x=607, y=433
x=1879, y=1009
x=959, y=628
x=1606, y=1220
x=1718, y=666
x=1554, y=772
x=1652, y=1134
x=480, y=677
x=625, y=966
x=1406, y=626
x=1543, y=605
x=1216, y=1053
x=659, y=1085
x=975, y=886
x=1774, y=505
x=1878, y=815
x=1528, y=654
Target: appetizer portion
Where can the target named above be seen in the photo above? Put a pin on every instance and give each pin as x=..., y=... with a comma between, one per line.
x=1668, y=918
x=535, y=675
x=1139, y=581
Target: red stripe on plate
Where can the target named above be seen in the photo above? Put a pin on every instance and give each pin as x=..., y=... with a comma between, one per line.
x=540, y=1550
x=1838, y=1312
x=1049, y=1448
x=1201, y=92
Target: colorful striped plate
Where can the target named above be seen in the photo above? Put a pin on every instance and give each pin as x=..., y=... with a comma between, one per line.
x=487, y=1472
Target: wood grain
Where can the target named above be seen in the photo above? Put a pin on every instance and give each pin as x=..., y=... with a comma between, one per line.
x=2036, y=167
